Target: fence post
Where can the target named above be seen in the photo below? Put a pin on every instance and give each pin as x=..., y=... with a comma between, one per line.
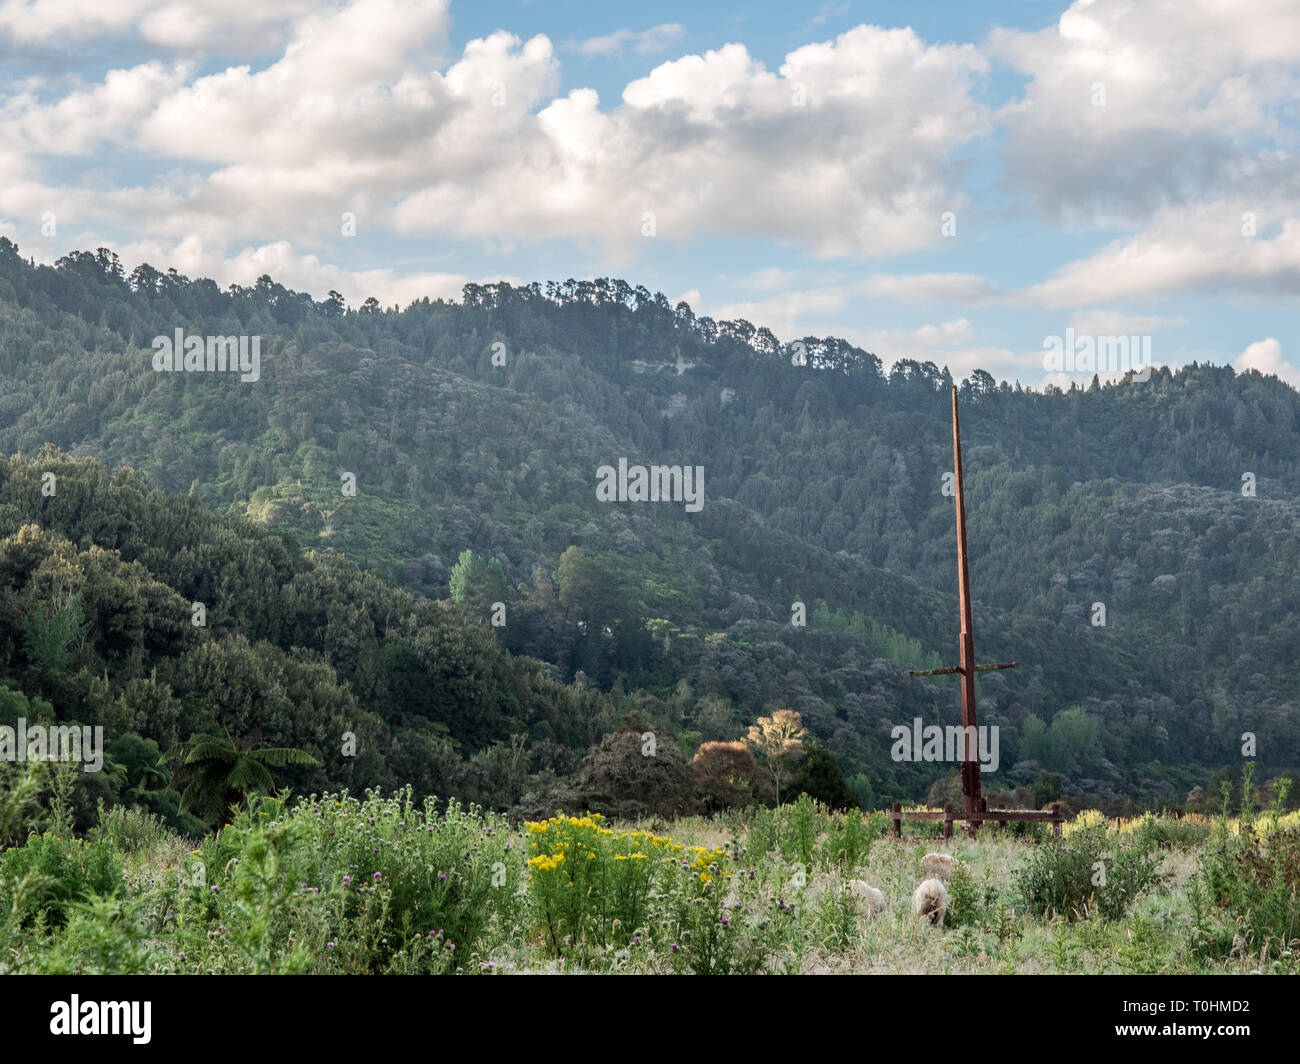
x=947, y=821
x=1056, y=817
x=898, y=820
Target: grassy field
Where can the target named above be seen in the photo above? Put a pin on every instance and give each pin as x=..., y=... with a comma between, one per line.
x=338, y=884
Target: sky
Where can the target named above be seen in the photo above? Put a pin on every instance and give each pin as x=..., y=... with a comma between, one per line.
x=948, y=182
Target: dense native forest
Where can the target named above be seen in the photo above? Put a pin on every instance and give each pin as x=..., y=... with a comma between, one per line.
x=473, y=431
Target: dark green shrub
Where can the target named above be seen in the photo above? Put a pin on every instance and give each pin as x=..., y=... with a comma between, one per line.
x=848, y=842
x=1166, y=832
x=1244, y=895
x=963, y=899
x=127, y=828
x=1086, y=873
x=62, y=872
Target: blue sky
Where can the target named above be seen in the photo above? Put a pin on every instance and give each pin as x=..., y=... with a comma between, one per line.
x=1108, y=168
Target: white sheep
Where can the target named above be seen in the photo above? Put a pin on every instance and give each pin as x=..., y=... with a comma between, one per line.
x=931, y=899
x=937, y=866
x=875, y=899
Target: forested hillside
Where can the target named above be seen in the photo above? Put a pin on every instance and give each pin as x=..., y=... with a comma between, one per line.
x=479, y=427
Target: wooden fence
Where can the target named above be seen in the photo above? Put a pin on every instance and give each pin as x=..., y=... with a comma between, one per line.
x=1052, y=816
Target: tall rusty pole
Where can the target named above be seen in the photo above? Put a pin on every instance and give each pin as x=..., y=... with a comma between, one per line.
x=970, y=766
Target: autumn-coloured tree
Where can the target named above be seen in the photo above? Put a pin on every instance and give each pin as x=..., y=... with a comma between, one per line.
x=778, y=739
x=724, y=774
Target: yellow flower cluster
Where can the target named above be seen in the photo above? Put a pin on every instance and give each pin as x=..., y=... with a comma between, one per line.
x=709, y=863
x=1127, y=825
x=543, y=863
x=1089, y=818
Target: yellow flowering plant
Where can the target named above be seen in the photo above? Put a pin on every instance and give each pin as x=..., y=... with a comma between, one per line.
x=590, y=884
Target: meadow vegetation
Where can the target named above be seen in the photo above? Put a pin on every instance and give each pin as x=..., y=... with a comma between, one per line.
x=342, y=884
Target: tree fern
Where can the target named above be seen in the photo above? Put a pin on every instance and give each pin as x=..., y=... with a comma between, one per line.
x=214, y=774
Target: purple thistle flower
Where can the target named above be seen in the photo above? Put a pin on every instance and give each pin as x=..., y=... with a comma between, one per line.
x=378, y=875
x=347, y=879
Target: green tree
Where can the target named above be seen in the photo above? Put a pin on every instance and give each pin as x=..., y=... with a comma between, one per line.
x=476, y=583
x=50, y=633
x=1046, y=788
x=819, y=774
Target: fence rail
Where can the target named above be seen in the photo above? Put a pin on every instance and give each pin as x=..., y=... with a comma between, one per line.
x=948, y=815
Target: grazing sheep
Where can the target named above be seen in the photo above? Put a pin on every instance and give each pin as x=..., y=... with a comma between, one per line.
x=937, y=866
x=875, y=899
x=931, y=899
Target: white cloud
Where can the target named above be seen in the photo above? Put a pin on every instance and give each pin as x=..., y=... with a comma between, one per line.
x=644, y=42
x=1114, y=323
x=189, y=25
x=303, y=272
x=946, y=343
x=353, y=106
x=786, y=312
x=85, y=118
x=967, y=288
x=1193, y=92
x=714, y=144
x=828, y=11
x=769, y=279
x=352, y=117
x=1185, y=249
x=1266, y=357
